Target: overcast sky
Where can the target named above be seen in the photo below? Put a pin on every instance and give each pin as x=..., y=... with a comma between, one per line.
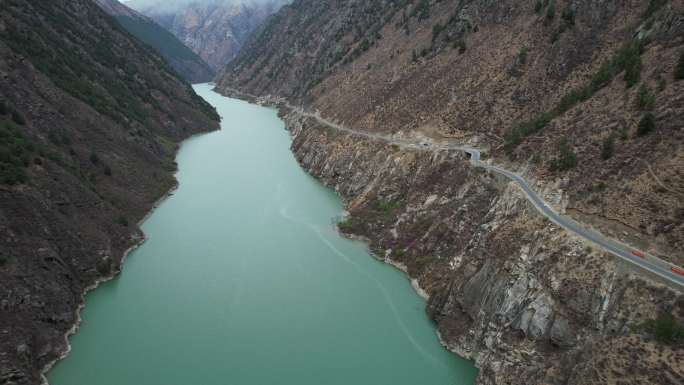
x=172, y=6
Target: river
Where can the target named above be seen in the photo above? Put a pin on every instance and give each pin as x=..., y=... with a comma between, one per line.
x=245, y=281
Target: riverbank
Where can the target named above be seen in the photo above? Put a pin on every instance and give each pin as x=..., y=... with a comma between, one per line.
x=244, y=252
x=504, y=285
x=138, y=238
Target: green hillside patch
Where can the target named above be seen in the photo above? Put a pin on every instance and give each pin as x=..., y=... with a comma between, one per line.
x=15, y=153
x=90, y=65
x=158, y=38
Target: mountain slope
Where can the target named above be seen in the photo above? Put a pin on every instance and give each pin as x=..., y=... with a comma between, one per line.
x=181, y=58
x=579, y=97
x=89, y=123
x=215, y=30
x=543, y=81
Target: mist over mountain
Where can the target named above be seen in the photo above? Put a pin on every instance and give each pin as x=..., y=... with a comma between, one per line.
x=175, y=5
x=213, y=29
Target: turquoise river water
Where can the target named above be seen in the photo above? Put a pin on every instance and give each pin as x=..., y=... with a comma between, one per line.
x=245, y=281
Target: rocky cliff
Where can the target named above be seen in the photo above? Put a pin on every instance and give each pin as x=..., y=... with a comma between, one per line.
x=507, y=288
x=583, y=98
x=89, y=124
x=214, y=29
x=181, y=58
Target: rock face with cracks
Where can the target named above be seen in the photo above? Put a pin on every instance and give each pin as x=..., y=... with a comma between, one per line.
x=527, y=302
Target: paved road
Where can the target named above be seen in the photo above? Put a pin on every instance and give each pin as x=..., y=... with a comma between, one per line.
x=649, y=263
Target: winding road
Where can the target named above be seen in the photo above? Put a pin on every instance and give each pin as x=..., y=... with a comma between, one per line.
x=648, y=263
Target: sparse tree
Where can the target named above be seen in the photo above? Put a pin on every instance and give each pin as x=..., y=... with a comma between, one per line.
x=679, y=69
x=646, y=124
x=551, y=11
x=645, y=98
x=567, y=158
x=608, y=147
x=18, y=118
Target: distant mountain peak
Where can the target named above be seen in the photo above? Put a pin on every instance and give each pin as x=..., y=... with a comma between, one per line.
x=181, y=58
x=213, y=29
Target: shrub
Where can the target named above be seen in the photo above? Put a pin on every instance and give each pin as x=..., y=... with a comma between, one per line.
x=18, y=118
x=122, y=220
x=107, y=170
x=522, y=55
x=608, y=147
x=551, y=10
x=567, y=158
x=436, y=30
x=387, y=207
x=423, y=9
x=632, y=70
x=679, y=69
x=461, y=45
x=421, y=262
x=518, y=133
x=3, y=108
x=571, y=99
x=653, y=7
x=15, y=154
x=627, y=58
x=347, y=225
x=104, y=266
x=12, y=175
x=665, y=329
x=94, y=159
x=645, y=99
x=646, y=124
x=623, y=133
x=568, y=16
x=538, y=6
x=365, y=45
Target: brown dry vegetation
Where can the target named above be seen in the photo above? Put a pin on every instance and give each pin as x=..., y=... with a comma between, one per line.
x=517, y=63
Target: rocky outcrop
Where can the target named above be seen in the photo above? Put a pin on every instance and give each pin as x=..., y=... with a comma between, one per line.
x=90, y=119
x=508, y=289
x=215, y=30
x=183, y=60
